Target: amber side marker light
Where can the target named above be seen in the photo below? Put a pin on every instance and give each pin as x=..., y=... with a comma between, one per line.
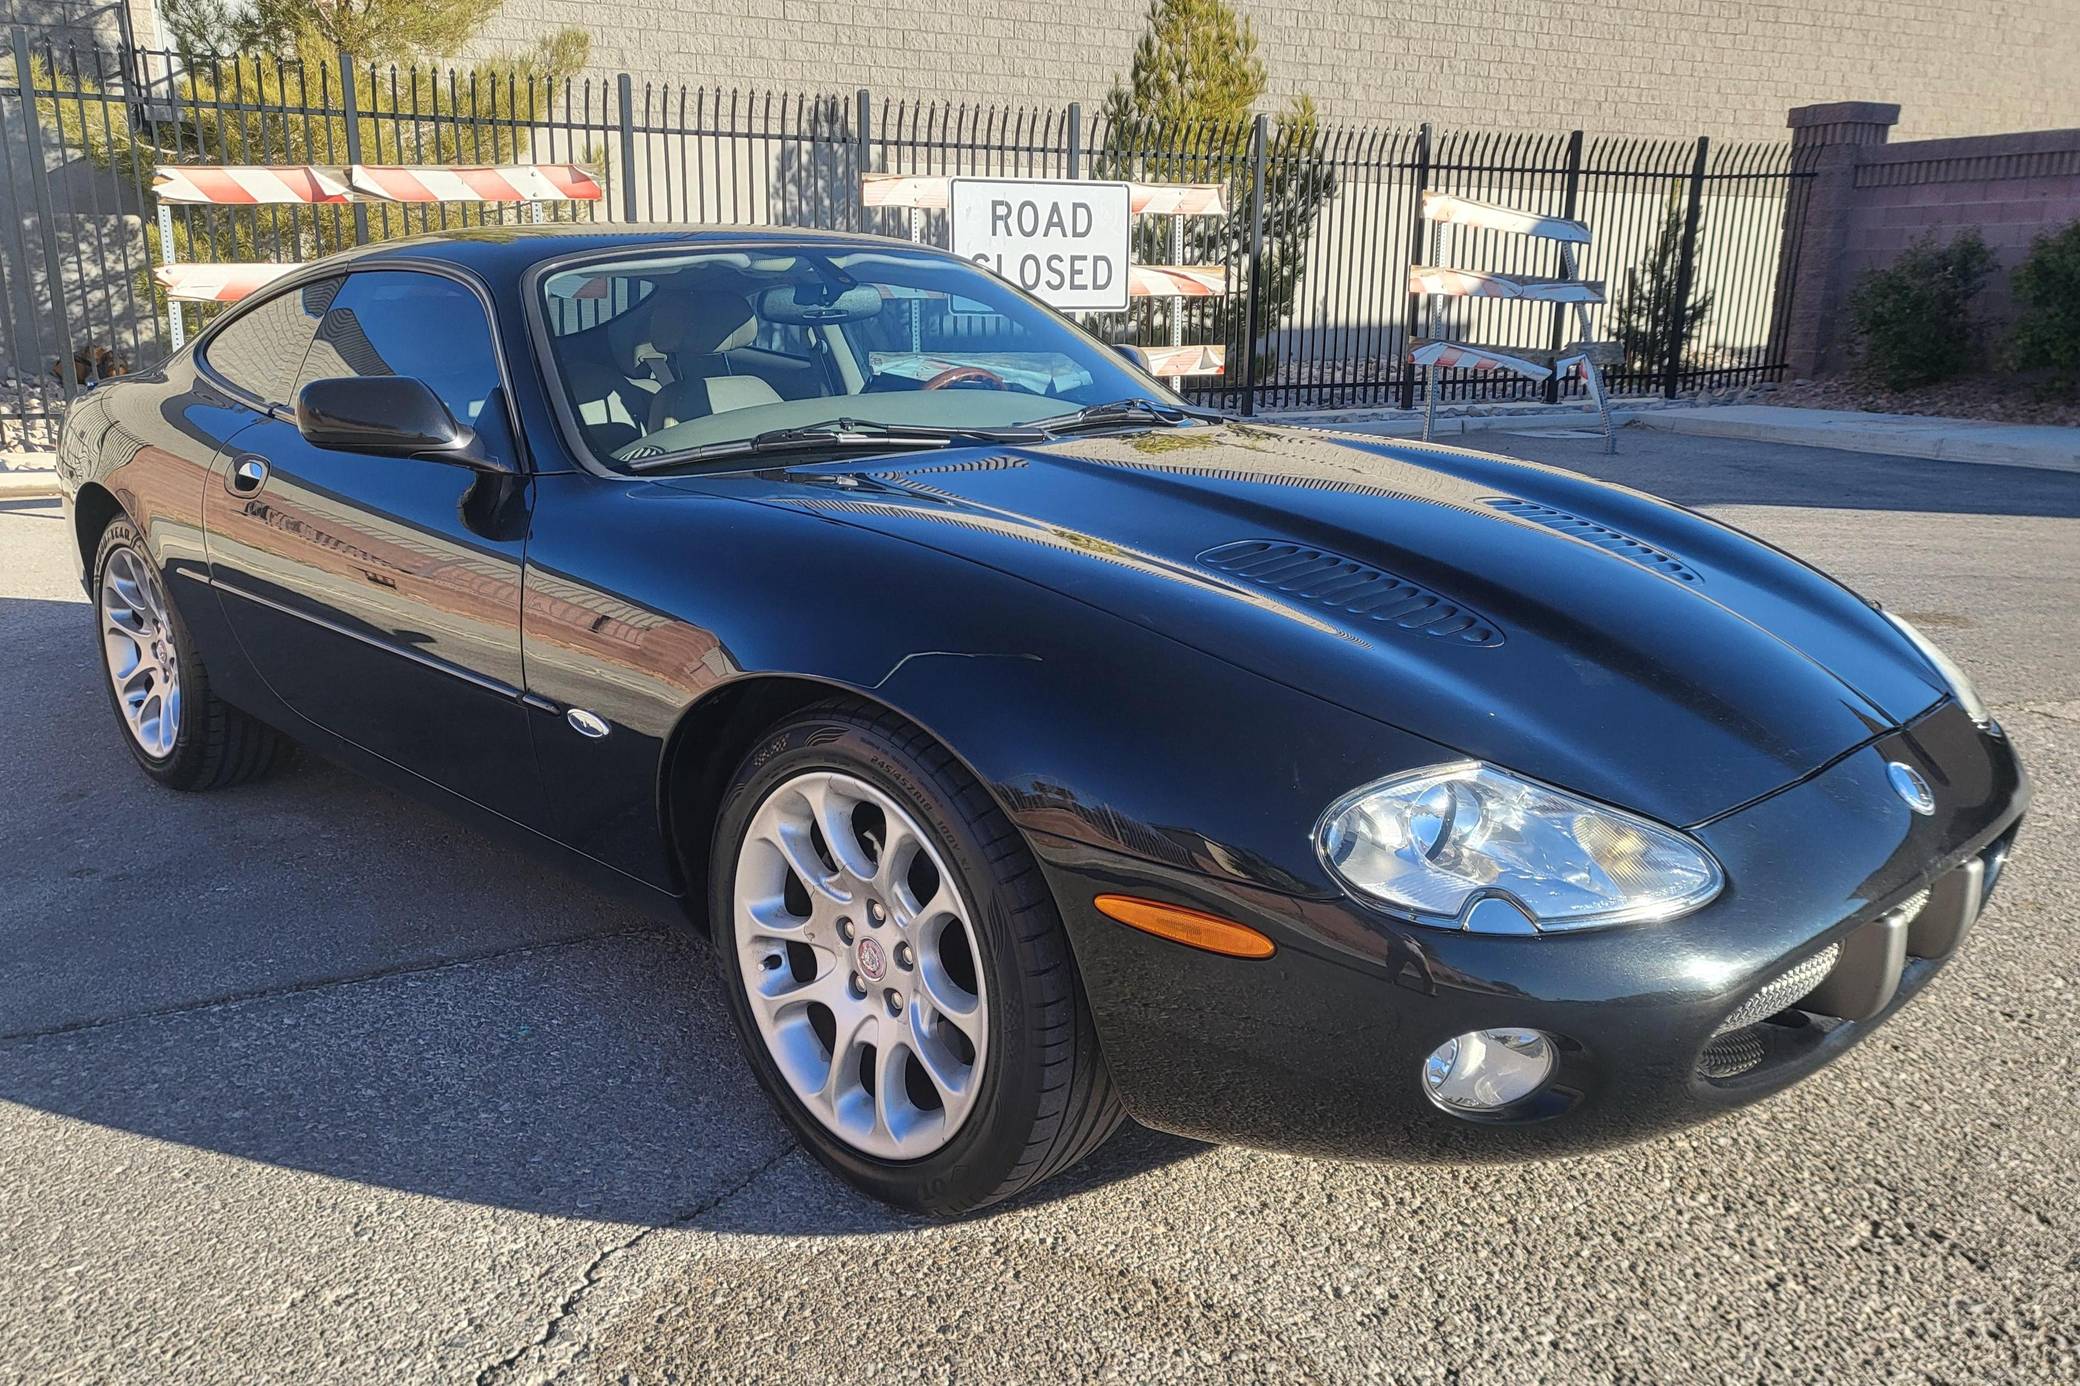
x=1193, y=928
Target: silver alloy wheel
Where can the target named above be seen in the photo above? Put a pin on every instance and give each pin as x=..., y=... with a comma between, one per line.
x=137, y=645
x=860, y=962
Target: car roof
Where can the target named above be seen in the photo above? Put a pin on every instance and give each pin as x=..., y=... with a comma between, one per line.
x=507, y=250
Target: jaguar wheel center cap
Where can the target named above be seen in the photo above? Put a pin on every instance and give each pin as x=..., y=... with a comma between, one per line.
x=873, y=961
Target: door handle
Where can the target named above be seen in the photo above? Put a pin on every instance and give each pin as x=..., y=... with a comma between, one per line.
x=246, y=476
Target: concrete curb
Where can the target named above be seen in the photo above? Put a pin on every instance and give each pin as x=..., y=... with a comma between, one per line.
x=2042, y=446
x=1397, y=424
x=31, y=484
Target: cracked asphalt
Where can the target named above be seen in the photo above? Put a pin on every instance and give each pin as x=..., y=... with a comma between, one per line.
x=301, y=1079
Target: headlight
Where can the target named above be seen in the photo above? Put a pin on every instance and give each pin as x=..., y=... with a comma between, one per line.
x=1960, y=686
x=1467, y=846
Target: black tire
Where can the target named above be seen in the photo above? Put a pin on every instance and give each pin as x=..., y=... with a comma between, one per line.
x=215, y=745
x=1045, y=1099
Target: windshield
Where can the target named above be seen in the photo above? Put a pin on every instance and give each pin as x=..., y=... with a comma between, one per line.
x=672, y=354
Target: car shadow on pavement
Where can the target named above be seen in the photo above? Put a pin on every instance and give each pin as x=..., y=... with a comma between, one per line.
x=318, y=974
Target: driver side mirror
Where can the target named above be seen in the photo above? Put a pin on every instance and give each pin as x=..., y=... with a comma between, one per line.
x=388, y=416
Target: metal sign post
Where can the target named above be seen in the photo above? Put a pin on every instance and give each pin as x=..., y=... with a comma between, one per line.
x=176, y=329
x=1177, y=304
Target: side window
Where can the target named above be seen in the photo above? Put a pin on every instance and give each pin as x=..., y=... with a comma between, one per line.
x=260, y=349
x=403, y=322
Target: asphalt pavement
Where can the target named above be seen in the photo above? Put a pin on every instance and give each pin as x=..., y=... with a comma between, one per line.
x=302, y=1080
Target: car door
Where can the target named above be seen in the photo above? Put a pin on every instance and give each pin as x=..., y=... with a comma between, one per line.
x=379, y=597
x=173, y=435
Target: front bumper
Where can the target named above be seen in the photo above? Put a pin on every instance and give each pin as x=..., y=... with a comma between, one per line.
x=1319, y=1048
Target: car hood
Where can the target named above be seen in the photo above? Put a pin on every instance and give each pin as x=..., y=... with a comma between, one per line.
x=1584, y=634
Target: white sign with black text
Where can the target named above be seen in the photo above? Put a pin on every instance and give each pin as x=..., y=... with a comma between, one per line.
x=1062, y=241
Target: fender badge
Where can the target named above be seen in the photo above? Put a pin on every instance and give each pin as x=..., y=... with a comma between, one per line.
x=1908, y=784
x=586, y=723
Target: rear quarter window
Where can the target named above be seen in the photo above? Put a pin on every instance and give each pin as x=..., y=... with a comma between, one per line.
x=260, y=351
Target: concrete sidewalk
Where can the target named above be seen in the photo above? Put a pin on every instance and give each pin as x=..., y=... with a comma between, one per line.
x=1900, y=435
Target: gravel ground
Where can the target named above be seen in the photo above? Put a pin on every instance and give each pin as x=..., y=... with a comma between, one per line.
x=2000, y=399
x=302, y=1079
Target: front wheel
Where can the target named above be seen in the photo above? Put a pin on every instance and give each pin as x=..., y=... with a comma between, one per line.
x=896, y=968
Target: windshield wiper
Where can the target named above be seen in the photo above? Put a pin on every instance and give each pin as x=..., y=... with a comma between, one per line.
x=1124, y=411
x=838, y=433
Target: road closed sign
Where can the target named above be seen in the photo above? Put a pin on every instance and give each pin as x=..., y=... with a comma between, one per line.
x=1064, y=242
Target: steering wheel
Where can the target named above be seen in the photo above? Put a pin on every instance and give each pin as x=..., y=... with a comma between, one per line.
x=958, y=375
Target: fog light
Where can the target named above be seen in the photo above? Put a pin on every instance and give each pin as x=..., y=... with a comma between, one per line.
x=1488, y=1069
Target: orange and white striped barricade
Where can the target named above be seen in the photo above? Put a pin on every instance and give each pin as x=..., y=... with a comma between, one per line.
x=1465, y=356
x=1532, y=363
x=219, y=283
x=1437, y=282
x=248, y=185
x=1177, y=281
x=1447, y=210
x=932, y=192
x=1178, y=361
x=474, y=183
x=1441, y=282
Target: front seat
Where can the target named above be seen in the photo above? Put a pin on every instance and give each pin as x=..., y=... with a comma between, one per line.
x=695, y=332
x=609, y=405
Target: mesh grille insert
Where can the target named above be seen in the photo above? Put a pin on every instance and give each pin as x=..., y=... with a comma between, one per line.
x=1780, y=991
x=1343, y=584
x=1730, y=1055
x=1602, y=536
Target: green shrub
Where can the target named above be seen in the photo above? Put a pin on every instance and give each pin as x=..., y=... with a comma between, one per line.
x=2047, y=291
x=1912, y=319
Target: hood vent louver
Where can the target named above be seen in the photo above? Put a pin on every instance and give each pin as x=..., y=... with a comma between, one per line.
x=1602, y=536
x=1335, y=583
x=979, y=464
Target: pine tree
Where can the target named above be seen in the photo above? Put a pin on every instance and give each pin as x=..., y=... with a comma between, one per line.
x=1184, y=115
x=1646, y=312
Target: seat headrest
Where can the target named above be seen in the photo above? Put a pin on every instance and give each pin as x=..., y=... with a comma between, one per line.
x=701, y=322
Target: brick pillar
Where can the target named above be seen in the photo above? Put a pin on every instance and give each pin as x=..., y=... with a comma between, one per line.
x=1828, y=141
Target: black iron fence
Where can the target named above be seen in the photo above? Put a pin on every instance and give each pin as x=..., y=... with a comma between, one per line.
x=1692, y=237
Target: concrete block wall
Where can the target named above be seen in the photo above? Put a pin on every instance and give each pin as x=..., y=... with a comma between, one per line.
x=2010, y=188
x=1868, y=199
x=1727, y=67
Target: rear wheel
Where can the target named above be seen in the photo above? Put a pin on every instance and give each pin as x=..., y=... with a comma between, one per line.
x=180, y=732
x=896, y=967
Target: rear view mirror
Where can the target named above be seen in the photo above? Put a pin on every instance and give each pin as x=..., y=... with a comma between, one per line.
x=815, y=303
x=387, y=416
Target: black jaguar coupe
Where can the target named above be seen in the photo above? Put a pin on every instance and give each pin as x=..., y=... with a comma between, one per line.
x=1036, y=750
